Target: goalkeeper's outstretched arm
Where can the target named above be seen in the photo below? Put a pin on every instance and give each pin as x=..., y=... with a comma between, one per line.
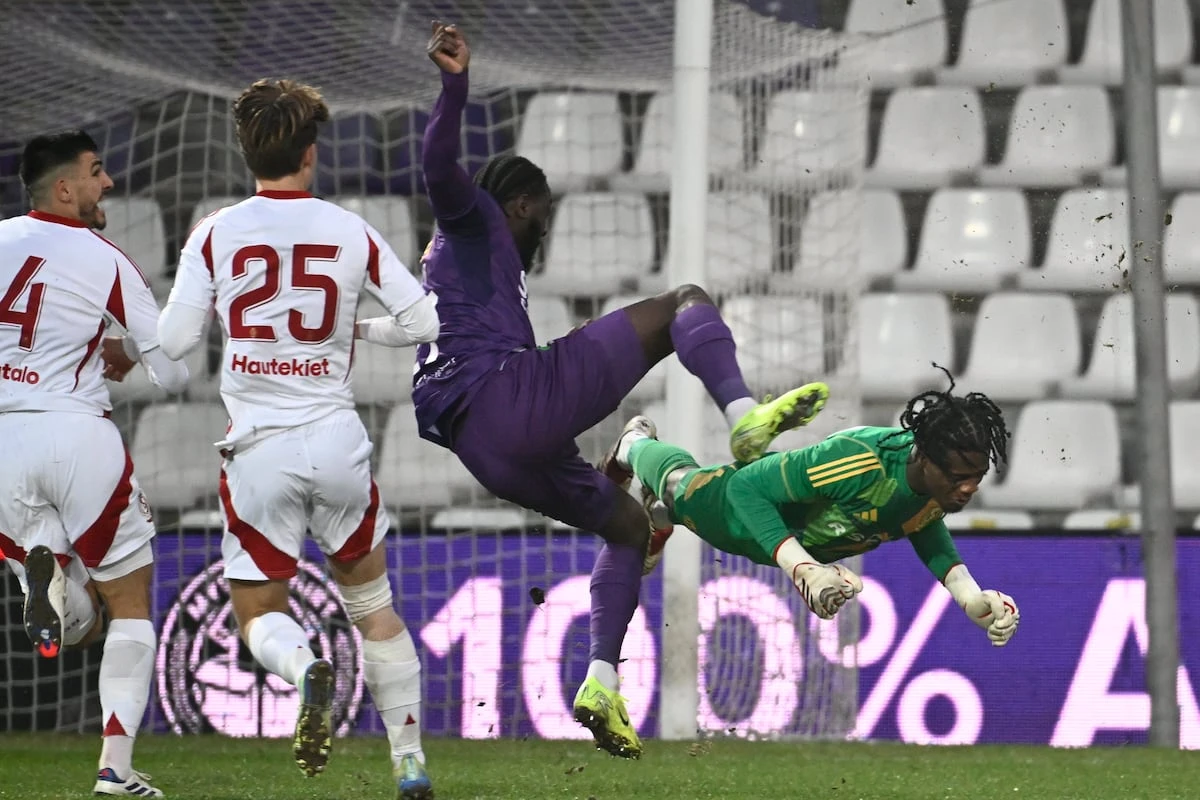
x=992, y=610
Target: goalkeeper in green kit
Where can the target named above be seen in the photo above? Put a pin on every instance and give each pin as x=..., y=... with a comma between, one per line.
x=805, y=509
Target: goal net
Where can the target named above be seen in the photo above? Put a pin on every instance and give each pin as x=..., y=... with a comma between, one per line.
x=497, y=597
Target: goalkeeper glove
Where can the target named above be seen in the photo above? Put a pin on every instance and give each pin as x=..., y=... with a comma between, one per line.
x=824, y=587
x=994, y=611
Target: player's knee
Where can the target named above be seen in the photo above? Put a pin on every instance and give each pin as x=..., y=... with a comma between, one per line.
x=629, y=526
x=688, y=295
x=370, y=602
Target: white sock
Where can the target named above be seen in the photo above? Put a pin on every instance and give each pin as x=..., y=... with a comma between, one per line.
x=738, y=409
x=279, y=643
x=125, y=673
x=624, y=445
x=392, y=674
x=604, y=672
x=79, y=615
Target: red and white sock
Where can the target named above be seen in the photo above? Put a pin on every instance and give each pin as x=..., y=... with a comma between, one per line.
x=126, y=670
x=392, y=674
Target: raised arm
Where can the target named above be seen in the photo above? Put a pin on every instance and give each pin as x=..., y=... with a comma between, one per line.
x=451, y=192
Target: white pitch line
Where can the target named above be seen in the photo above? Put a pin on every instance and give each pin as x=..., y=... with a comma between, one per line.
x=884, y=690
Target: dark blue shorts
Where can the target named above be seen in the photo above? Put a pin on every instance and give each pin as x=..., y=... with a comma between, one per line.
x=517, y=436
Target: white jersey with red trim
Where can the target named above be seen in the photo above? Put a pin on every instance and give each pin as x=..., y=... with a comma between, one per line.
x=285, y=271
x=61, y=285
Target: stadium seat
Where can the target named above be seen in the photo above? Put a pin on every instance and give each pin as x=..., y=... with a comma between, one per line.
x=476, y=518
x=414, y=473
x=1023, y=346
x=1058, y=135
x=392, y=217
x=972, y=241
x=739, y=244
x=811, y=138
x=1064, y=455
x=654, y=385
x=1099, y=519
x=1103, y=56
x=988, y=519
x=909, y=38
x=1178, y=139
x=381, y=375
x=210, y=204
x=1185, y=466
x=135, y=224
x=599, y=243
x=1009, y=44
x=652, y=166
x=1088, y=245
x=898, y=336
x=1181, y=241
x=881, y=239
x=575, y=137
x=1111, y=373
x=550, y=316
x=930, y=136
x=781, y=340
x=173, y=453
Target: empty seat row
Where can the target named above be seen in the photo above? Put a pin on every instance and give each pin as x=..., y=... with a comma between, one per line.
x=1024, y=347
x=1009, y=43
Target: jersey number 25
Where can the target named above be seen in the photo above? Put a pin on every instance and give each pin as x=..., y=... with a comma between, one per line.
x=301, y=279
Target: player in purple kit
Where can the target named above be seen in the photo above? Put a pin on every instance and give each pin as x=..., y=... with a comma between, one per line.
x=511, y=410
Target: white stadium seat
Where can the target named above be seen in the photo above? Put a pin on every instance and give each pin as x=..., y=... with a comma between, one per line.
x=972, y=241
x=381, y=375
x=392, y=217
x=881, y=238
x=929, y=136
x=739, y=244
x=1111, y=373
x=1098, y=519
x=1057, y=136
x=781, y=340
x=1063, y=455
x=1185, y=466
x=476, y=518
x=137, y=388
x=551, y=318
x=910, y=38
x=135, y=224
x=900, y=336
x=1024, y=345
x=173, y=453
x=652, y=166
x=1088, y=245
x=1009, y=43
x=415, y=473
x=654, y=385
x=987, y=519
x=1181, y=241
x=574, y=136
x=1178, y=139
x=810, y=138
x=1103, y=55
x=599, y=243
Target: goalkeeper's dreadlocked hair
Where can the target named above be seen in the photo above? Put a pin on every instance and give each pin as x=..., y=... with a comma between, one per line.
x=943, y=423
x=507, y=177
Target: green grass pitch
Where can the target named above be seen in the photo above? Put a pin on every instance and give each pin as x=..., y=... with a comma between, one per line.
x=41, y=767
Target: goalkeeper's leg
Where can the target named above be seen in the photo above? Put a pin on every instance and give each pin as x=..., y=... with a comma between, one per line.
x=391, y=669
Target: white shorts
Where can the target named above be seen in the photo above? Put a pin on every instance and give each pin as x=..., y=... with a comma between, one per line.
x=313, y=477
x=69, y=485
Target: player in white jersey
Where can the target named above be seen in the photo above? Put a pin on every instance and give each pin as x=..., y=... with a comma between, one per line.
x=284, y=271
x=70, y=497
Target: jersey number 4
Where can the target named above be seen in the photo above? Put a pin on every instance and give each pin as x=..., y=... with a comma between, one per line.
x=26, y=320
x=301, y=279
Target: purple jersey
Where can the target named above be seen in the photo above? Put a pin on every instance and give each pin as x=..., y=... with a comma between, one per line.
x=473, y=269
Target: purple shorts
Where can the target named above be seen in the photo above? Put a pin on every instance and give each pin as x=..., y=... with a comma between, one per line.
x=517, y=436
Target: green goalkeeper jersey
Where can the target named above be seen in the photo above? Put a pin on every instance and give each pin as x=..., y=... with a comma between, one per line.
x=843, y=496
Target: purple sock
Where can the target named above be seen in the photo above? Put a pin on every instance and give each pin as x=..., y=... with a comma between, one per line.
x=705, y=347
x=616, y=582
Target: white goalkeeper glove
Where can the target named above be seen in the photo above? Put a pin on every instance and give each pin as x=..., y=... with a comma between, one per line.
x=824, y=587
x=994, y=611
